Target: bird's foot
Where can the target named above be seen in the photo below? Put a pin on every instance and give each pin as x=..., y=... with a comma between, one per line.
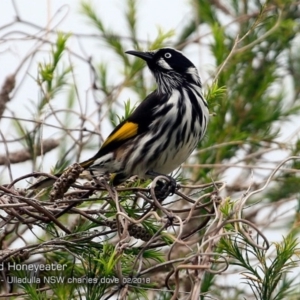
x=163, y=189
x=165, y=186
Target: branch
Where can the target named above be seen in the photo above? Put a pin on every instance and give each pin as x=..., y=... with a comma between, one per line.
x=25, y=154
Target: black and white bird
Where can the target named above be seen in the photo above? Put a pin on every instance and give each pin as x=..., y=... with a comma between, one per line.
x=162, y=131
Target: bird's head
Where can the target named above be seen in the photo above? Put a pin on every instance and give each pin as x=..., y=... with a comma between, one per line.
x=170, y=68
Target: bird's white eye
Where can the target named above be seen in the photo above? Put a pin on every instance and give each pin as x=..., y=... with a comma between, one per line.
x=168, y=55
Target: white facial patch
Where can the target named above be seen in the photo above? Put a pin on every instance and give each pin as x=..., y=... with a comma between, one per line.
x=163, y=64
x=194, y=73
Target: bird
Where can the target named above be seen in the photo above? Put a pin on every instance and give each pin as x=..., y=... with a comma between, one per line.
x=163, y=130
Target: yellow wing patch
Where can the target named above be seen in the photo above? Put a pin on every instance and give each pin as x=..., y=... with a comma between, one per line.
x=126, y=131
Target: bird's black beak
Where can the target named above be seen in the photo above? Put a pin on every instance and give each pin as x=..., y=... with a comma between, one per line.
x=147, y=56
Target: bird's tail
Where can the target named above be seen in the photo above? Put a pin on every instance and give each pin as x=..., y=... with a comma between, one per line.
x=47, y=182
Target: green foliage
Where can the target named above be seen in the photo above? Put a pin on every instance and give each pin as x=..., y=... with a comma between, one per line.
x=52, y=78
x=30, y=288
x=115, y=119
x=267, y=278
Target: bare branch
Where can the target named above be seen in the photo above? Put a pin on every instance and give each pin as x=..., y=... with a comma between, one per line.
x=24, y=155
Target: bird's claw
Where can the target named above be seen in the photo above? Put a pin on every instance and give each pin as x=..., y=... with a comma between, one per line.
x=164, y=189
